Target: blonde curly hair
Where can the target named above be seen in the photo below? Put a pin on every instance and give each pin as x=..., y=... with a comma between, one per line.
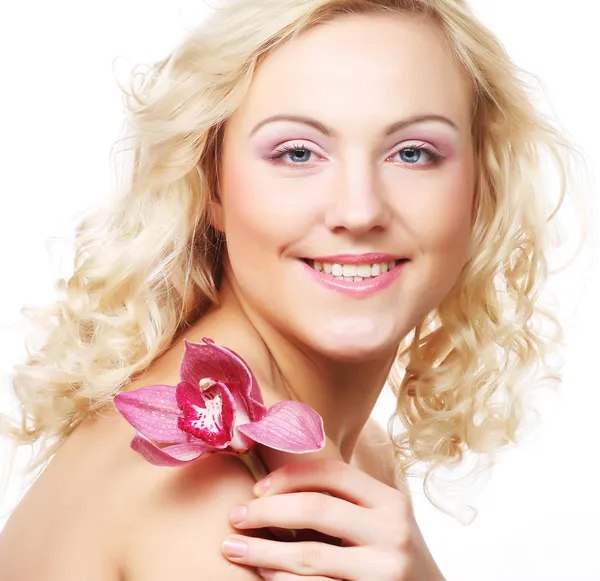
x=147, y=264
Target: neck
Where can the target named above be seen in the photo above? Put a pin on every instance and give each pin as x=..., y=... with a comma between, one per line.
x=343, y=393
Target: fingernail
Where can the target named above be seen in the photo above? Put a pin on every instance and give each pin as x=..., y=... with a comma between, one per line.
x=237, y=514
x=233, y=547
x=262, y=486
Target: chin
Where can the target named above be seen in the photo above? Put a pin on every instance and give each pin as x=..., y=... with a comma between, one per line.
x=354, y=341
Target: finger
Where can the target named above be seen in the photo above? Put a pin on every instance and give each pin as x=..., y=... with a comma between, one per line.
x=334, y=476
x=307, y=558
x=274, y=575
x=311, y=510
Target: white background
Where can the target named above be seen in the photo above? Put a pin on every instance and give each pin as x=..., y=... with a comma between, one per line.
x=60, y=111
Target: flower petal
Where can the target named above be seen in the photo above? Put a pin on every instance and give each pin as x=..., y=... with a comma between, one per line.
x=207, y=414
x=211, y=360
x=177, y=455
x=153, y=411
x=187, y=394
x=290, y=426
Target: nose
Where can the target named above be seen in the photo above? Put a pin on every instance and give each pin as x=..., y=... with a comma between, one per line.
x=358, y=202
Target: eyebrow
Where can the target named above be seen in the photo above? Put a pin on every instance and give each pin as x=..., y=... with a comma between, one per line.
x=389, y=130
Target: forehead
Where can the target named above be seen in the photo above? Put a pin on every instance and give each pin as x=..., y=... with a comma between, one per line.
x=365, y=69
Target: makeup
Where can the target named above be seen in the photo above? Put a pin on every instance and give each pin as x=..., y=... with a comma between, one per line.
x=361, y=288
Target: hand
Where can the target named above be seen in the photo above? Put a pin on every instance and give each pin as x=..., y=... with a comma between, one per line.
x=380, y=538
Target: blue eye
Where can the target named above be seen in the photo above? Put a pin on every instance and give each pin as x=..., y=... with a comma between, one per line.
x=299, y=155
x=292, y=149
x=410, y=154
x=420, y=155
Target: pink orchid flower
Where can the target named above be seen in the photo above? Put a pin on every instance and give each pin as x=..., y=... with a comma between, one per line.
x=216, y=407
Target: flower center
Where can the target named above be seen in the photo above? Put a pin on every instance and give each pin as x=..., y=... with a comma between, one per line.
x=204, y=422
x=201, y=422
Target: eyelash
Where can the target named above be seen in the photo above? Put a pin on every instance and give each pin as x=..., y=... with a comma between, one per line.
x=294, y=147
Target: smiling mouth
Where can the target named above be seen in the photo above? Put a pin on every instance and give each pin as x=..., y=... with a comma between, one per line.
x=354, y=272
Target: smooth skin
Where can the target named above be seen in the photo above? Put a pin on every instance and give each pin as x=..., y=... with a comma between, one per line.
x=346, y=188
x=352, y=192
x=102, y=513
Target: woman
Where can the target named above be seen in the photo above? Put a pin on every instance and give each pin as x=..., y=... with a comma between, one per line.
x=342, y=192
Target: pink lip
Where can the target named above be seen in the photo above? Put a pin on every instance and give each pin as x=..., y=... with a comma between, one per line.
x=357, y=258
x=361, y=288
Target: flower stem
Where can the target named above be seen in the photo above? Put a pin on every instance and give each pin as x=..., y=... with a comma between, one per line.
x=253, y=462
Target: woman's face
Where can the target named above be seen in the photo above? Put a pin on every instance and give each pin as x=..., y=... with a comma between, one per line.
x=347, y=183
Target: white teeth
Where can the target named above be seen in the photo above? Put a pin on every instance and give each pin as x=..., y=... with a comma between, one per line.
x=353, y=272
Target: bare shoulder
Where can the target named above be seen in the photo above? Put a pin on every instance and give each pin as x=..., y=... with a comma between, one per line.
x=123, y=518
x=183, y=519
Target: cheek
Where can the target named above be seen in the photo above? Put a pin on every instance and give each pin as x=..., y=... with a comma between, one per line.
x=442, y=216
x=440, y=226
x=260, y=220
